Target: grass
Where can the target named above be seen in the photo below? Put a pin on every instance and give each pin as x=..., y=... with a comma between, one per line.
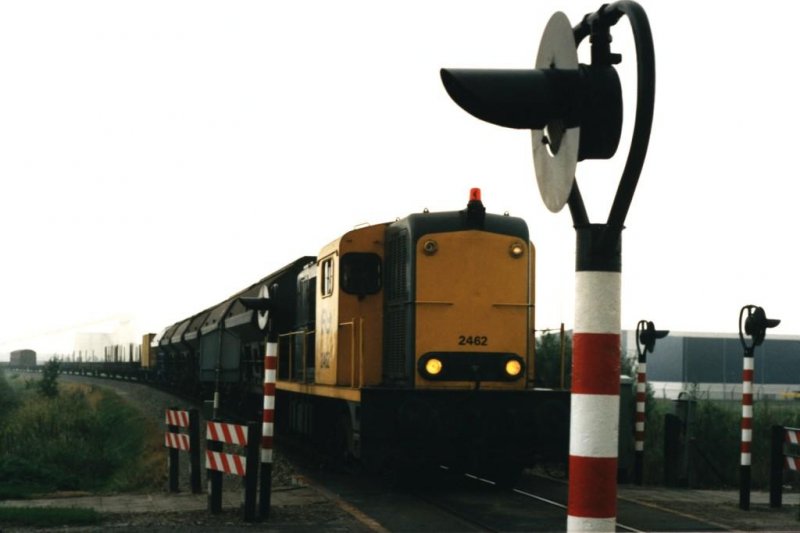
x=714, y=434
x=49, y=516
x=84, y=439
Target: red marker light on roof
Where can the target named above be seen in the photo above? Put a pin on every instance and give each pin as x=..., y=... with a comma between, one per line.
x=475, y=211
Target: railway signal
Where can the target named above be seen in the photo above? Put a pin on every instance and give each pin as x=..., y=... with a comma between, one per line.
x=753, y=323
x=574, y=113
x=646, y=336
x=262, y=305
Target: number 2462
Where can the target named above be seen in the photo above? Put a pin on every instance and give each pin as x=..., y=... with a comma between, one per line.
x=477, y=340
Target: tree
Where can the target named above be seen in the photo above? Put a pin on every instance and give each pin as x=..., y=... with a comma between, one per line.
x=48, y=386
x=548, y=361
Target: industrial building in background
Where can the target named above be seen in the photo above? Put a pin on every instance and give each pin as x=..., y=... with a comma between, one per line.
x=709, y=365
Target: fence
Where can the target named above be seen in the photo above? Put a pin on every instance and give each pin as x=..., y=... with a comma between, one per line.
x=177, y=442
x=784, y=455
x=218, y=462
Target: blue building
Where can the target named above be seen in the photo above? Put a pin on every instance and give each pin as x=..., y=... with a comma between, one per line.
x=711, y=365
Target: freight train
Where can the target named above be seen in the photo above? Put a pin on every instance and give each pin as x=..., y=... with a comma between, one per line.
x=400, y=344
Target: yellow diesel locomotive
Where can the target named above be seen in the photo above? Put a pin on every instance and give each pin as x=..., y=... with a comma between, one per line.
x=402, y=343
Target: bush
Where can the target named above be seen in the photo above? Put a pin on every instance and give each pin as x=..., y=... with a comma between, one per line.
x=715, y=438
x=51, y=444
x=48, y=386
x=8, y=397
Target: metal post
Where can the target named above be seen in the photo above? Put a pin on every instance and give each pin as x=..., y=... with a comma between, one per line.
x=174, y=459
x=214, y=478
x=561, y=338
x=194, y=451
x=754, y=325
x=594, y=415
x=251, y=471
x=268, y=425
x=776, y=466
x=747, y=429
x=646, y=336
x=641, y=415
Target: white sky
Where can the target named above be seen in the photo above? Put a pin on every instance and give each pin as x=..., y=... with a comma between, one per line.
x=158, y=156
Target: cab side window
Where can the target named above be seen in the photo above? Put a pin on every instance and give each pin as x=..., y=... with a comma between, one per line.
x=327, y=277
x=361, y=273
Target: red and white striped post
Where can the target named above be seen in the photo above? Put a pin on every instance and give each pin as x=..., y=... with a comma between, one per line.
x=646, y=335
x=754, y=325
x=268, y=426
x=641, y=416
x=747, y=429
x=594, y=416
x=596, y=357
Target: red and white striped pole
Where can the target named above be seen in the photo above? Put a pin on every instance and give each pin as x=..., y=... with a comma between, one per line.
x=753, y=325
x=594, y=417
x=641, y=415
x=268, y=425
x=646, y=336
x=747, y=429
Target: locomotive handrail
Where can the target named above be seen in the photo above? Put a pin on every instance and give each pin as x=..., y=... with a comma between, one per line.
x=352, y=325
x=292, y=334
x=512, y=305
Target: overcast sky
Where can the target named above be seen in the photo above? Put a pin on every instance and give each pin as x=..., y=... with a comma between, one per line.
x=156, y=157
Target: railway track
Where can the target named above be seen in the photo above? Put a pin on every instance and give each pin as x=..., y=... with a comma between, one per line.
x=450, y=502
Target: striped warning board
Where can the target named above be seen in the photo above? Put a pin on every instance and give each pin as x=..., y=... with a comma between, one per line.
x=792, y=436
x=179, y=441
x=177, y=418
x=226, y=462
x=227, y=433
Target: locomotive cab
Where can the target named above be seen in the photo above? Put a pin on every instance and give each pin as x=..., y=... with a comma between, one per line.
x=459, y=311
x=349, y=325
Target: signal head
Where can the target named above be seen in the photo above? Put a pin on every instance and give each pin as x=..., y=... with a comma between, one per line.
x=573, y=110
x=648, y=334
x=757, y=323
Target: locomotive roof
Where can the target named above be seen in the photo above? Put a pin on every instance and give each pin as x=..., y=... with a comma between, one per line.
x=420, y=224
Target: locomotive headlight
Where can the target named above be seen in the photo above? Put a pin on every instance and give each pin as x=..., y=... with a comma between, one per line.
x=516, y=250
x=513, y=367
x=433, y=366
